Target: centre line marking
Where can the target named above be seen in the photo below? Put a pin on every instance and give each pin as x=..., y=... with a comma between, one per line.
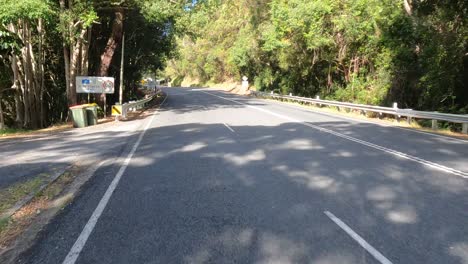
x=80, y=242
x=359, y=141
x=228, y=127
x=374, y=252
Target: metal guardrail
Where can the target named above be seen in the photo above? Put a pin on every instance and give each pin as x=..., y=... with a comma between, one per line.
x=397, y=112
x=122, y=110
x=133, y=106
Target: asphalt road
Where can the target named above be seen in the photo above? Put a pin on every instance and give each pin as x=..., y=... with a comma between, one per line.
x=219, y=178
x=22, y=159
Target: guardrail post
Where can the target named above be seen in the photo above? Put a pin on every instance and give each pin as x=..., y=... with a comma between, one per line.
x=318, y=98
x=395, y=106
x=435, y=126
x=290, y=94
x=465, y=128
x=271, y=93
x=408, y=119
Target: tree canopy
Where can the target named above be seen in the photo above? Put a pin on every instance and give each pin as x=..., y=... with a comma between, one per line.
x=368, y=51
x=45, y=44
x=412, y=52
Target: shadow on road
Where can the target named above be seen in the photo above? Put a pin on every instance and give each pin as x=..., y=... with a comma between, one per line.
x=258, y=196
x=197, y=193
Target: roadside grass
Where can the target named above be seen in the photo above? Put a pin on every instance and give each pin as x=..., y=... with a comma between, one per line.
x=19, y=132
x=10, y=131
x=13, y=194
x=49, y=197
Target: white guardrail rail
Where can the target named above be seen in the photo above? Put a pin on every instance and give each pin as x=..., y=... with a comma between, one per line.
x=131, y=106
x=397, y=112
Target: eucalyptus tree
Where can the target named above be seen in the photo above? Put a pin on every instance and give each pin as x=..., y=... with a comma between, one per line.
x=113, y=17
x=76, y=20
x=24, y=20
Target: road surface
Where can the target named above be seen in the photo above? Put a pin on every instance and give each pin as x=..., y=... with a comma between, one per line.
x=220, y=178
x=22, y=159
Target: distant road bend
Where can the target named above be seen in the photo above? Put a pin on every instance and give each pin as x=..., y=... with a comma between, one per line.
x=219, y=178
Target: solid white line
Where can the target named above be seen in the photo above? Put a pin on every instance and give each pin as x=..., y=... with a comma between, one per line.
x=362, y=142
x=431, y=134
x=316, y=111
x=80, y=242
x=376, y=254
x=228, y=127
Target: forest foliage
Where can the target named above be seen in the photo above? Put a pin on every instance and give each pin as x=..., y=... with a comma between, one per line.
x=412, y=52
x=45, y=44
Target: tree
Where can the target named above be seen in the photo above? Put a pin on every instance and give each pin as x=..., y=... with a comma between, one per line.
x=368, y=51
x=25, y=21
x=76, y=18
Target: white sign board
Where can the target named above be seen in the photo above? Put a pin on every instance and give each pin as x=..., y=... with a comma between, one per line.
x=92, y=84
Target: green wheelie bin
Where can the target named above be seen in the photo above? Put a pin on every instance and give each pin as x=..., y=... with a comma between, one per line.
x=91, y=114
x=79, y=116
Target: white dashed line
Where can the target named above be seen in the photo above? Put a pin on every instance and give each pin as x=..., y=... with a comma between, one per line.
x=228, y=127
x=374, y=252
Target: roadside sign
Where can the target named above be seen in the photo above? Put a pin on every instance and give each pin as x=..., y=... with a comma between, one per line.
x=117, y=110
x=93, y=84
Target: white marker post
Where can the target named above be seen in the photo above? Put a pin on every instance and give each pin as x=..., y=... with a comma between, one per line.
x=245, y=83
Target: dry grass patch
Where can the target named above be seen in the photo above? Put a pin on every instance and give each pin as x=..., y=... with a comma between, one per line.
x=48, y=198
x=21, y=133
x=13, y=194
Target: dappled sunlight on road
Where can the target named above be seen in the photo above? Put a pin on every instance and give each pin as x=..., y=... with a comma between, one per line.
x=460, y=250
x=264, y=247
x=299, y=169
x=274, y=248
x=254, y=155
x=210, y=187
x=299, y=144
x=403, y=215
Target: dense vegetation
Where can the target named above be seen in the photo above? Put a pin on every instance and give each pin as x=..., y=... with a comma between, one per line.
x=45, y=44
x=412, y=52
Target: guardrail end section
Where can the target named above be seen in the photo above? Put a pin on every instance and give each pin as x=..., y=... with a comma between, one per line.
x=435, y=126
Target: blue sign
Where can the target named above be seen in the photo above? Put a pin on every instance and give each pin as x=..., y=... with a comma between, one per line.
x=85, y=81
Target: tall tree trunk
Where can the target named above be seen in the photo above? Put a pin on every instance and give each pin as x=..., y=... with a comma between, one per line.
x=24, y=73
x=71, y=96
x=24, y=85
x=34, y=73
x=408, y=8
x=113, y=41
x=84, y=53
x=41, y=74
x=2, y=120
x=30, y=71
x=19, y=117
x=73, y=70
x=106, y=57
